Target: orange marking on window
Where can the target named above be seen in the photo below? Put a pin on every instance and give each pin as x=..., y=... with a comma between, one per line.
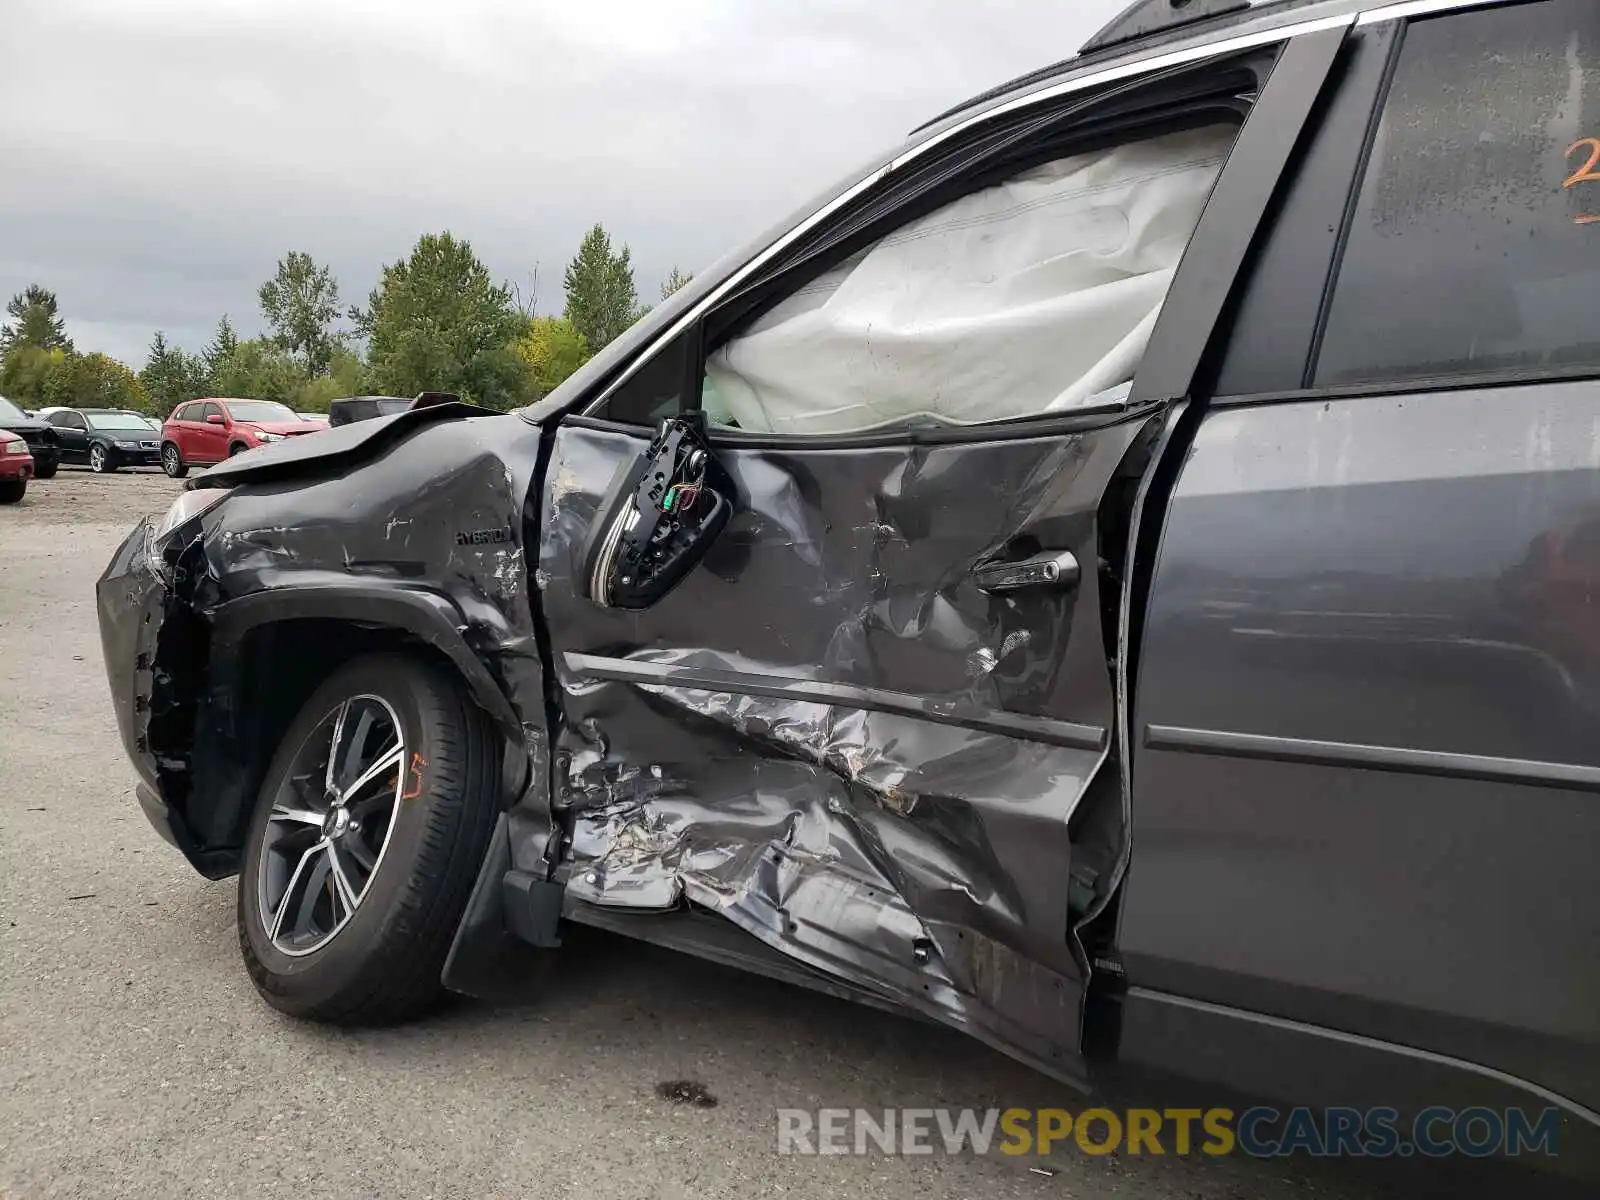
x=1587, y=172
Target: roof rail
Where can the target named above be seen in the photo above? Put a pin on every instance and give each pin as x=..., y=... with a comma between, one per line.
x=1144, y=17
x=1157, y=19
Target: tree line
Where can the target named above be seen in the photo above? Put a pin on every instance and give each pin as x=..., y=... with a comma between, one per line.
x=436, y=321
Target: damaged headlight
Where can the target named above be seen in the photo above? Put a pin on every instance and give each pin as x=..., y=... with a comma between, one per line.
x=186, y=508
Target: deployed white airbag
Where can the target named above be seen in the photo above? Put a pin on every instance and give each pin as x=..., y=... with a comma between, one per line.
x=1029, y=297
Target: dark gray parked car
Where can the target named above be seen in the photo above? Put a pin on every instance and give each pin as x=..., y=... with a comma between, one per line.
x=1119, y=575
x=365, y=408
x=40, y=437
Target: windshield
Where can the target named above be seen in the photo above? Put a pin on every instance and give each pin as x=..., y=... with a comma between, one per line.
x=259, y=410
x=10, y=412
x=132, y=422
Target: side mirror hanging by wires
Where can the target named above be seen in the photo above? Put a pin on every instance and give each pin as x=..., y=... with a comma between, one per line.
x=659, y=518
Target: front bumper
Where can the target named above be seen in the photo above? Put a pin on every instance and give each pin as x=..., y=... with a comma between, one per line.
x=130, y=598
x=16, y=466
x=44, y=457
x=156, y=812
x=148, y=637
x=136, y=456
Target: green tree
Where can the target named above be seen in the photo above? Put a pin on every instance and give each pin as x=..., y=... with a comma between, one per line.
x=26, y=369
x=436, y=322
x=34, y=321
x=170, y=376
x=222, y=344
x=347, y=376
x=300, y=304
x=602, y=300
x=553, y=349
x=257, y=369
x=95, y=381
x=348, y=371
x=675, y=280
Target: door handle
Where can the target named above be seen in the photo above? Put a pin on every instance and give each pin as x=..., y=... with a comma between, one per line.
x=1054, y=569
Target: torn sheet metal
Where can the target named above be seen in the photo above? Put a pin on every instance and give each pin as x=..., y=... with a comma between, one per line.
x=830, y=736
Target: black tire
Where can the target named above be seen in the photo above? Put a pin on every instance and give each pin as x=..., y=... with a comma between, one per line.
x=100, y=460
x=382, y=965
x=13, y=490
x=45, y=472
x=172, y=461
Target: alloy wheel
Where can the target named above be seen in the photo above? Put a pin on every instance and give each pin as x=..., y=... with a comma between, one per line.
x=330, y=824
x=97, y=458
x=170, y=462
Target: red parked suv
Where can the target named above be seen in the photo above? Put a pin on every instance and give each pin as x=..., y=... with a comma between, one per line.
x=207, y=431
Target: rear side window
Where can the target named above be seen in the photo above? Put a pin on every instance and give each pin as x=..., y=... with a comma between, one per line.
x=1474, y=244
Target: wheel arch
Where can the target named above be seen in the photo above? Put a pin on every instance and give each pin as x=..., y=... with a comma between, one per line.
x=275, y=647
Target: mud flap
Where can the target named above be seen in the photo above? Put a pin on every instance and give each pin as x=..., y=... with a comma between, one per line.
x=502, y=946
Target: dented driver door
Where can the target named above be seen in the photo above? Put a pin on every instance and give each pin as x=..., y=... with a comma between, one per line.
x=855, y=729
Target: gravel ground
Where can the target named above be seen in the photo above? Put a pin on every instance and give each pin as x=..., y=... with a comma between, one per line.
x=136, y=1059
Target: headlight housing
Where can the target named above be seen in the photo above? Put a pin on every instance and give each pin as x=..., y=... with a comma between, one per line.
x=263, y=435
x=186, y=508
x=13, y=446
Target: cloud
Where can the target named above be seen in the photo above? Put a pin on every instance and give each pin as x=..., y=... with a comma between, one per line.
x=161, y=155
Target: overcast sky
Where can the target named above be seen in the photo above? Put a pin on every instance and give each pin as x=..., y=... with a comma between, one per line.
x=159, y=156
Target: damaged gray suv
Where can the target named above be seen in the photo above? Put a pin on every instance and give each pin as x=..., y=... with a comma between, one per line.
x=1119, y=576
